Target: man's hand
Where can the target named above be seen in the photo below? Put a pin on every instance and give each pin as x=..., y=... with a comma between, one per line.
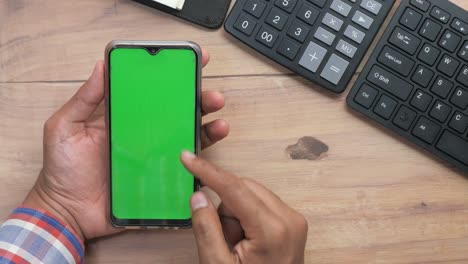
x=74, y=181
x=259, y=227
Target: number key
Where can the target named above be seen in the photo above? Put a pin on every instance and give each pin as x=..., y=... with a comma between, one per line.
x=286, y=5
x=245, y=24
x=267, y=36
x=308, y=14
x=255, y=8
x=449, y=41
x=277, y=19
x=298, y=31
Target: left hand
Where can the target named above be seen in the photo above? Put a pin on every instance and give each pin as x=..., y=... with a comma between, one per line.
x=74, y=181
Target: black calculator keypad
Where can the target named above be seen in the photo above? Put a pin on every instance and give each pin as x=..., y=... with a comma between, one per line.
x=322, y=40
x=416, y=81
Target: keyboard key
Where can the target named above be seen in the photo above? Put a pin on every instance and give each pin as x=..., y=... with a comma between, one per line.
x=312, y=57
x=422, y=5
x=460, y=98
x=371, y=6
x=422, y=76
x=245, y=24
x=404, y=40
x=459, y=122
x=460, y=26
x=325, y=36
x=288, y=49
x=442, y=87
x=410, y=19
x=276, y=19
x=308, y=14
x=449, y=41
x=430, y=30
x=340, y=7
x=298, y=31
x=390, y=82
x=429, y=54
x=366, y=96
x=346, y=49
x=332, y=21
x=267, y=36
x=286, y=5
x=463, y=76
x=255, y=8
x=385, y=107
x=404, y=118
x=421, y=100
x=426, y=130
x=454, y=146
x=440, y=111
x=396, y=61
x=464, y=51
x=334, y=69
x=319, y=3
x=448, y=65
x=354, y=34
x=440, y=14
x=362, y=20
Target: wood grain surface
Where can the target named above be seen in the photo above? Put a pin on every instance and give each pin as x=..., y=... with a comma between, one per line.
x=372, y=198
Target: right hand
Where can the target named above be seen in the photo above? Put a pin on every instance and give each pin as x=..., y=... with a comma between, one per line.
x=259, y=227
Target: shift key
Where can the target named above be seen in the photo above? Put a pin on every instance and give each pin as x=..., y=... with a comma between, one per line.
x=389, y=82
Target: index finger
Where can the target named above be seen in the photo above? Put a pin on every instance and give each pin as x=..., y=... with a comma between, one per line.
x=246, y=206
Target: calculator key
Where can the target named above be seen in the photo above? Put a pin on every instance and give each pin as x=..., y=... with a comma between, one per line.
x=340, y=7
x=354, y=34
x=286, y=5
x=298, y=31
x=396, y=61
x=422, y=76
x=346, y=49
x=454, y=146
x=448, y=65
x=440, y=111
x=460, y=98
x=404, y=118
x=430, y=30
x=442, y=87
x=404, y=40
x=245, y=24
x=463, y=76
x=308, y=14
x=464, y=51
x=319, y=3
x=334, y=69
x=421, y=100
x=332, y=21
x=410, y=19
x=371, y=6
x=429, y=54
x=449, y=41
x=385, y=107
x=390, y=82
x=276, y=18
x=325, y=36
x=255, y=8
x=312, y=57
x=363, y=20
x=288, y=49
x=366, y=96
x=426, y=130
x=267, y=36
x=459, y=122
x=422, y=5
x=440, y=14
x=460, y=26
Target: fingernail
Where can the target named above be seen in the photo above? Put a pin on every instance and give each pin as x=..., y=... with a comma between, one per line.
x=187, y=156
x=198, y=201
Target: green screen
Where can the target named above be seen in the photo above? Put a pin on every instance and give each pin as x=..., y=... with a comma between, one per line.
x=152, y=119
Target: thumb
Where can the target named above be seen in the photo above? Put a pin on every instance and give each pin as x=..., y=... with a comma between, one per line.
x=212, y=247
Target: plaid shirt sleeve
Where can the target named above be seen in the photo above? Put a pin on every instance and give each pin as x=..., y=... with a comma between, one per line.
x=35, y=236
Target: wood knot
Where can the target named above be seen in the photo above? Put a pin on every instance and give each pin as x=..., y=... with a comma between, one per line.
x=307, y=148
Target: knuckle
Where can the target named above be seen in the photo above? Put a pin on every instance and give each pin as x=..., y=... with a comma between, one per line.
x=279, y=231
x=302, y=224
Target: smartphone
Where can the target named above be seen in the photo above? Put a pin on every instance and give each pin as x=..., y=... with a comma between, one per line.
x=152, y=113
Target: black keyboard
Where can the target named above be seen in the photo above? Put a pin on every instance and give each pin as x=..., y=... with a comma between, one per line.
x=322, y=40
x=416, y=80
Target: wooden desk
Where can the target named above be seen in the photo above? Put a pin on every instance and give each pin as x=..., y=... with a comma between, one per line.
x=372, y=199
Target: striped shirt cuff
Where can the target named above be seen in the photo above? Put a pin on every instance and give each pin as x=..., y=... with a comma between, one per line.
x=36, y=236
